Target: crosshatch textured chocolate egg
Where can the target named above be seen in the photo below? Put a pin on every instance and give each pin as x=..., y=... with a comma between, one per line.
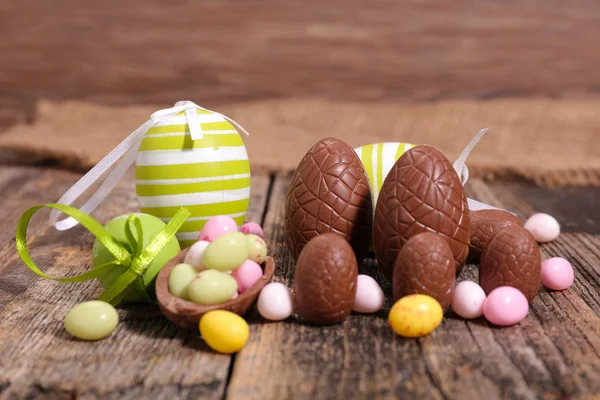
x=511, y=258
x=329, y=193
x=325, y=280
x=425, y=265
x=421, y=193
x=484, y=225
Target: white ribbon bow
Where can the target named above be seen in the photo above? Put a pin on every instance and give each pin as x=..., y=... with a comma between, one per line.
x=126, y=151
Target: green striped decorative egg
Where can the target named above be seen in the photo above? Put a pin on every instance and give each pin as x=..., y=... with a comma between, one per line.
x=208, y=176
x=378, y=159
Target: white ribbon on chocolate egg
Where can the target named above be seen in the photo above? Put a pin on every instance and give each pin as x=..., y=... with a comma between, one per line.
x=461, y=169
x=125, y=154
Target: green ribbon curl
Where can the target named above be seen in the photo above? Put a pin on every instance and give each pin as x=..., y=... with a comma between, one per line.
x=135, y=260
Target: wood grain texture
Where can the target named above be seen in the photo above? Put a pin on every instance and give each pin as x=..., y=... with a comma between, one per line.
x=146, y=357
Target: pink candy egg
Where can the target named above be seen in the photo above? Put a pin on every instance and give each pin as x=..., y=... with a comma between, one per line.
x=194, y=255
x=235, y=296
x=543, y=227
x=217, y=226
x=557, y=274
x=369, y=296
x=275, y=302
x=505, y=306
x=468, y=299
x=247, y=275
x=252, y=228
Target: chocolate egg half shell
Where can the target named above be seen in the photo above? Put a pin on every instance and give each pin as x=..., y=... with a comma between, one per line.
x=511, y=258
x=422, y=193
x=425, y=265
x=325, y=280
x=329, y=193
x=484, y=225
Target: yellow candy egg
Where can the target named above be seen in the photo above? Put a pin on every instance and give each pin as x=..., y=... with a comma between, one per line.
x=415, y=315
x=224, y=331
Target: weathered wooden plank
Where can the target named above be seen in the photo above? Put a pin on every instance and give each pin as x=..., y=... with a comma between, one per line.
x=146, y=357
x=552, y=354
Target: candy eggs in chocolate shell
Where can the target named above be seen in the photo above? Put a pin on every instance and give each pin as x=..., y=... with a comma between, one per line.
x=329, y=193
x=209, y=176
x=421, y=193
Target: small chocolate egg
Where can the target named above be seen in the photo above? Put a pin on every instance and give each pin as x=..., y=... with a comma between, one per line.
x=325, y=280
x=421, y=193
x=425, y=265
x=484, y=225
x=329, y=193
x=511, y=258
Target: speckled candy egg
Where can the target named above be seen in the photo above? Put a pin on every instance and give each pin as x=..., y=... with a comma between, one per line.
x=209, y=176
x=415, y=316
x=252, y=228
x=217, y=226
x=257, y=248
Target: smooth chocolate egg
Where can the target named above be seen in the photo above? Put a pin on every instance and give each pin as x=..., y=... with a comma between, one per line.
x=325, y=280
x=329, y=193
x=421, y=193
x=511, y=258
x=425, y=265
x=484, y=225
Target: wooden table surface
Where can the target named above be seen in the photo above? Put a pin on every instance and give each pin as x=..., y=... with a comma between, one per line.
x=553, y=353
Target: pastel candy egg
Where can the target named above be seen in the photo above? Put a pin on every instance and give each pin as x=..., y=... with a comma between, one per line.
x=209, y=175
x=468, y=299
x=505, y=306
x=217, y=226
x=194, y=254
x=369, y=296
x=257, y=248
x=179, y=279
x=91, y=320
x=224, y=331
x=557, y=274
x=246, y=275
x=415, y=315
x=226, y=252
x=252, y=228
x=212, y=287
x=543, y=227
x=275, y=302
x=126, y=233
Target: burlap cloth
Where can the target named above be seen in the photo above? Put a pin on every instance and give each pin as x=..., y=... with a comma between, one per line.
x=550, y=141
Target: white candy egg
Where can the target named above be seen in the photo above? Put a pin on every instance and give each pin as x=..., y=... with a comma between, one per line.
x=194, y=254
x=543, y=227
x=369, y=296
x=275, y=302
x=468, y=299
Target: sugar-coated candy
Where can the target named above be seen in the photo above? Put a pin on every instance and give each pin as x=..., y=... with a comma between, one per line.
x=91, y=320
x=257, y=248
x=216, y=227
x=246, y=275
x=415, y=315
x=226, y=252
x=212, y=287
x=194, y=255
x=179, y=279
x=543, y=227
x=557, y=273
x=275, y=302
x=369, y=296
x=252, y=228
x=224, y=331
x=505, y=306
x=468, y=299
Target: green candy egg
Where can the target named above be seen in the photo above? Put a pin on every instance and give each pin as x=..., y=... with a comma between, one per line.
x=128, y=236
x=257, y=248
x=91, y=320
x=180, y=278
x=212, y=287
x=226, y=252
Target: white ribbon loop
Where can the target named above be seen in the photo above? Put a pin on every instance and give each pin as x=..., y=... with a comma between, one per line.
x=125, y=154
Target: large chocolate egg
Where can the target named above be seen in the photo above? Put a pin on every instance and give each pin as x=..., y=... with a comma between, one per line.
x=325, y=280
x=511, y=258
x=484, y=225
x=421, y=193
x=329, y=193
x=425, y=265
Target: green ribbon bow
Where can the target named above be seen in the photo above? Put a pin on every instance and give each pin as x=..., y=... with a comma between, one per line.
x=135, y=260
